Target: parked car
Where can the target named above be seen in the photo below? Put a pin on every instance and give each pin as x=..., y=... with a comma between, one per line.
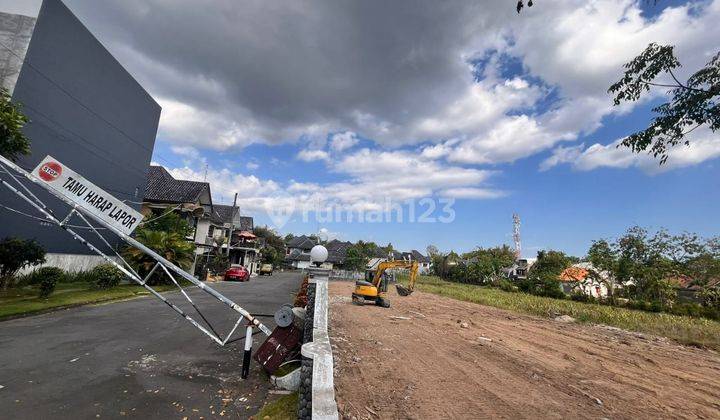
x=266, y=269
x=238, y=273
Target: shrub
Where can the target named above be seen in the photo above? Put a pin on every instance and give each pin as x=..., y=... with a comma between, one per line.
x=582, y=297
x=687, y=309
x=506, y=285
x=542, y=286
x=710, y=298
x=219, y=264
x=85, y=276
x=106, y=276
x=16, y=254
x=48, y=278
x=57, y=274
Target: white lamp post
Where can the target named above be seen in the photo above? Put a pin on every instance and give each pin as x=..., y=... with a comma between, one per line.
x=318, y=254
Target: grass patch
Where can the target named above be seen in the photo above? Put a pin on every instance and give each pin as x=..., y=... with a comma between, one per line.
x=24, y=301
x=283, y=408
x=687, y=330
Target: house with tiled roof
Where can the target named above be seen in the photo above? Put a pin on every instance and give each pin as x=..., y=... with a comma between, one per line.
x=162, y=189
x=212, y=224
x=192, y=200
x=424, y=262
x=337, y=250
x=297, y=251
x=577, y=279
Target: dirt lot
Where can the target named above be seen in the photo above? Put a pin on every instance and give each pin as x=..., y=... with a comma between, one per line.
x=455, y=359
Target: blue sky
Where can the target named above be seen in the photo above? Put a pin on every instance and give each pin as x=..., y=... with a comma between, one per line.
x=561, y=209
x=328, y=104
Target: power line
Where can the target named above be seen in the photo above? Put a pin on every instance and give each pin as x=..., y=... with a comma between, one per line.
x=107, y=159
x=25, y=61
x=43, y=219
x=162, y=215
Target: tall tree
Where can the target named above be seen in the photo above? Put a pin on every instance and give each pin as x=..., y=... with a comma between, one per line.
x=693, y=103
x=543, y=277
x=604, y=259
x=273, y=249
x=485, y=265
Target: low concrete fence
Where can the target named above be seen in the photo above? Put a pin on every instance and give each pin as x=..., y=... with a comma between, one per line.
x=346, y=275
x=317, y=389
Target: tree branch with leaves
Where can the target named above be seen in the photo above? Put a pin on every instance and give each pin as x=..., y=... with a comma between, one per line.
x=693, y=103
x=13, y=142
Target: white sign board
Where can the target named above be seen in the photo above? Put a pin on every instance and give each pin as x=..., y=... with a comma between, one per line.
x=87, y=195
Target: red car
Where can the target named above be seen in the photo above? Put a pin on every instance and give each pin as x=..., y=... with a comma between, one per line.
x=239, y=273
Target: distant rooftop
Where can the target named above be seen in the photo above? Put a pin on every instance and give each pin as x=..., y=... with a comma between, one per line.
x=162, y=187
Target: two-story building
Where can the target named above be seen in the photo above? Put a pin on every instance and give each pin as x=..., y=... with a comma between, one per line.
x=297, y=253
x=216, y=227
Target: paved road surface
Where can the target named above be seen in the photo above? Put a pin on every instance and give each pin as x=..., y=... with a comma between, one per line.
x=136, y=358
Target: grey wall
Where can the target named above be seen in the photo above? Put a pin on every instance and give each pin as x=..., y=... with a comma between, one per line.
x=87, y=112
x=15, y=33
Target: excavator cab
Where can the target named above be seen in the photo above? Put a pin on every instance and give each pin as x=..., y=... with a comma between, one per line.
x=374, y=287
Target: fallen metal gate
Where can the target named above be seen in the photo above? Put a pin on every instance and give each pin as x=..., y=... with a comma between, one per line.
x=161, y=263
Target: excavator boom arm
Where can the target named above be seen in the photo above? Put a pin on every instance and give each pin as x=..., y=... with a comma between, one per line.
x=411, y=265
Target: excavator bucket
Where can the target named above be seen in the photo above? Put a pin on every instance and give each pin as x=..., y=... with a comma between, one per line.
x=402, y=290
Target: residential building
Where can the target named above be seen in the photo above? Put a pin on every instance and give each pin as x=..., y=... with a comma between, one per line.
x=337, y=250
x=214, y=225
x=85, y=110
x=424, y=262
x=689, y=289
x=240, y=243
x=519, y=270
x=297, y=253
x=577, y=279
x=190, y=199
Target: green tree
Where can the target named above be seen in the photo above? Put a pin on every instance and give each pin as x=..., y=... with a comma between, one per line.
x=171, y=245
x=693, y=103
x=604, y=258
x=446, y=266
x=355, y=258
x=168, y=222
x=16, y=254
x=543, y=277
x=485, y=265
x=13, y=142
x=273, y=248
x=644, y=264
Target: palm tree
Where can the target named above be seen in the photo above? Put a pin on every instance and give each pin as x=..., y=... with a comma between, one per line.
x=170, y=245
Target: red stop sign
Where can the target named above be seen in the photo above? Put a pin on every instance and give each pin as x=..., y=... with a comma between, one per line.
x=50, y=171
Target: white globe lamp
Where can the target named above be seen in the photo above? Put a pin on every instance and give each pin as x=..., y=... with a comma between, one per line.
x=318, y=254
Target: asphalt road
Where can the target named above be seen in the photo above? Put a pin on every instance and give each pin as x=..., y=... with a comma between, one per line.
x=136, y=358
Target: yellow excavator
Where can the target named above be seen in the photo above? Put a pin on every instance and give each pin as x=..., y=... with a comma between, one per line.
x=374, y=287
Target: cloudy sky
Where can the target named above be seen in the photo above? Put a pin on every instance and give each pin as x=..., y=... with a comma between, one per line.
x=340, y=104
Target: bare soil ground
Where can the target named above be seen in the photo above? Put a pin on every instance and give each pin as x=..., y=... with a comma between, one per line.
x=454, y=359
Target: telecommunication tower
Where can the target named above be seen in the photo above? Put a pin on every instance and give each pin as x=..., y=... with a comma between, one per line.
x=516, y=235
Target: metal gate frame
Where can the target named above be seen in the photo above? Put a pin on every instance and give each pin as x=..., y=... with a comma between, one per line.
x=161, y=262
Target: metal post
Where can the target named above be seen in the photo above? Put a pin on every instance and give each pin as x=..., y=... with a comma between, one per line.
x=248, y=350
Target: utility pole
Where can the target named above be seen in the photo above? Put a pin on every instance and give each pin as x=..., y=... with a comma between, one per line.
x=232, y=223
x=516, y=235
